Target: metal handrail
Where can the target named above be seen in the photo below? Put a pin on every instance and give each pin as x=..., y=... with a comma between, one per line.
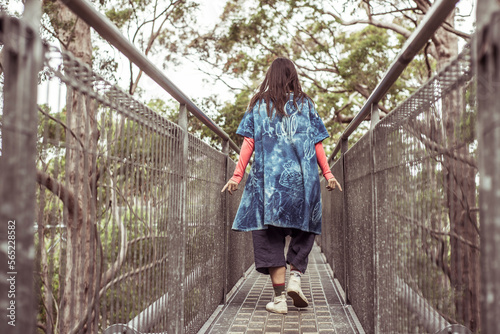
x=430, y=23
x=110, y=32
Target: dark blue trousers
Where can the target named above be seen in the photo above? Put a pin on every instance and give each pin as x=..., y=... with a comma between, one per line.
x=269, y=248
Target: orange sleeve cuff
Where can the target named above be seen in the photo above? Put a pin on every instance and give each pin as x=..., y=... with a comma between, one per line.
x=323, y=161
x=245, y=155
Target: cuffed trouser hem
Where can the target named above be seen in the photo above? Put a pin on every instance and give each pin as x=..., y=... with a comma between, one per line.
x=269, y=248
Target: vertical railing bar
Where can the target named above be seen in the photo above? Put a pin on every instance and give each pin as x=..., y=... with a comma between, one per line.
x=149, y=172
x=105, y=183
x=86, y=198
x=41, y=228
x=164, y=176
x=82, y=98
x=172, y=230
x=120, y=183
x=143, y=133
x=119, y=144
x=486, y=60
x=17, y=169
x=139, y=221
x=154, y=205
x=147, y=149
x=141, y=190
x=69, y=117
x=375, y=117
x=402, y=227
x=57, y=174
x=151, y=207
x=128, y=182
x=225, y=206
x=88, y=154
x=343, y=149
x=183, y=123
x=95, y=227
x=65, y=181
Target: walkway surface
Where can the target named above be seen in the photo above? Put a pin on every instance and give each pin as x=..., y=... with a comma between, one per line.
x=326, y=313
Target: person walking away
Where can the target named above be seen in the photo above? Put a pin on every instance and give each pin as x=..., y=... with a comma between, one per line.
x=282, y=193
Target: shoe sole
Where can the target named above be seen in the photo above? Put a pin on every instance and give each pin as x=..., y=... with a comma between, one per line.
x=278, y=312
x=297, y=300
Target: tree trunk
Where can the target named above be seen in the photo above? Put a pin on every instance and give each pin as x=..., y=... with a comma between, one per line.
x=79, y=273
x=460, y=190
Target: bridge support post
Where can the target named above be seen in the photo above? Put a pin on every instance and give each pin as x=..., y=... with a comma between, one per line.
x=177, y=228
x=375, y=117
x=344, y=146
x=225, y=150
x=183, y=123
x=487, y=63
x=22, y=56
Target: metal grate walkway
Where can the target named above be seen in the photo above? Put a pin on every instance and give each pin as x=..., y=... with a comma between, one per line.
x=327, y=313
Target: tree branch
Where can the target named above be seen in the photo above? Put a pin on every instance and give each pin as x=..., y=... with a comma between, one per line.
x=63, y=125
x=385, y=25
x=437, y=233
x=427, y=63
x=131, y=273
x=115, y=267
x=434, y=146
x=152, y=38
x=447, y=26
x=53, y=34
x=41, y=326
x=397, y=10
x=65, y=195
x=366, y=94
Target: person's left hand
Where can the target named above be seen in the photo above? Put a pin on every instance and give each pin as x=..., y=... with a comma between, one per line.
x=332, y=183
x=230, y=186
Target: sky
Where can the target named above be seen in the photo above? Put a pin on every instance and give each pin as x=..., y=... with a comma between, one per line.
x=187, y=76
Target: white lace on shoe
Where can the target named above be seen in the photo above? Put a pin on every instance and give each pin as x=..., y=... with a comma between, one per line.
x=278, y=305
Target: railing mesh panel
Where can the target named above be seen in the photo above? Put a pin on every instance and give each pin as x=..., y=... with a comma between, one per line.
x=204, y=281
x=412, y=225
x=240, y=246
x=115, y=234
x=359, y=245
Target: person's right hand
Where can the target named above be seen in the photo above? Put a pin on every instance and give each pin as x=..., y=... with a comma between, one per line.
x=332, y=183
x=230, y=186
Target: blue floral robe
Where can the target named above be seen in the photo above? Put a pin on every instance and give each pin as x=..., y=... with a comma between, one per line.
x=283, y=187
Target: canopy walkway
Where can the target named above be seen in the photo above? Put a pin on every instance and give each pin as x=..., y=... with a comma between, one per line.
x=246, y=311
x=118, y=212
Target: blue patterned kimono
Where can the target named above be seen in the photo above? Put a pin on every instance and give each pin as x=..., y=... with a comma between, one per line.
x=283, y=187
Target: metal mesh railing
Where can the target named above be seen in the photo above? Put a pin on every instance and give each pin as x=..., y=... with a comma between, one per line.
x=131, y=230
x=407, y=250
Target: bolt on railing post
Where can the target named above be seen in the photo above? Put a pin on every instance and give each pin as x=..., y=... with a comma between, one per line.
x=183, y=123
x=344, y=145
x=375, y=117
x=21, y=63
x=225, y=206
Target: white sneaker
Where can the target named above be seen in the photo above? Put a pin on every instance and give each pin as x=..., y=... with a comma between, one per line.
x=295, y=292
x=278, y=305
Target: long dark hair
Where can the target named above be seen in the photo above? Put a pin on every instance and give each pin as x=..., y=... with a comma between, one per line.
x=281, y=80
